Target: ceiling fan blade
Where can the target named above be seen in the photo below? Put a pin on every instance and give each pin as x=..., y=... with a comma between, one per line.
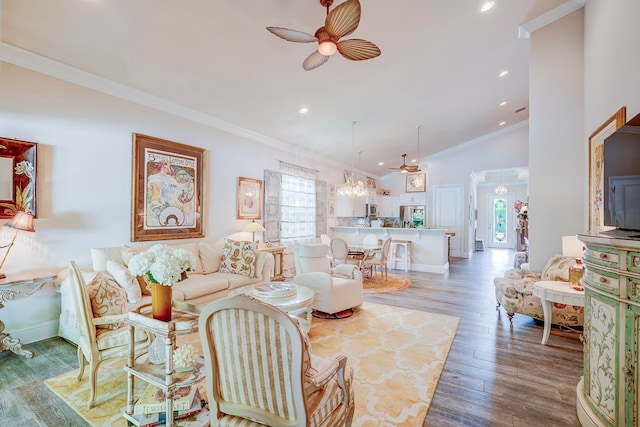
x=314, y=60
x=343, y=19
x=358, y=49
x=292, y=35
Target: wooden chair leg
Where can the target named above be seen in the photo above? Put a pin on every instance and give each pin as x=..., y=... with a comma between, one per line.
x=80, y=363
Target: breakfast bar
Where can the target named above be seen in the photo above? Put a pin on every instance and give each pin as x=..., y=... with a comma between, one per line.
x=429, y=246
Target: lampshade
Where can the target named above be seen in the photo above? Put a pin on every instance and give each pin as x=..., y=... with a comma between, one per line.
x=253, y=227
x=23, y=221
x=572, y=247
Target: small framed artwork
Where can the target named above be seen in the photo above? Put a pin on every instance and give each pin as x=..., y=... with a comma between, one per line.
x=371, y=183
x=332, y=191
x=18, y=170
x=596, y=173
x=249, y=198
x=416, y=183
x=167, y=190
x=332, y=208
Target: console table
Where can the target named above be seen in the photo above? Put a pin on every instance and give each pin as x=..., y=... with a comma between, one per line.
x=14, y=287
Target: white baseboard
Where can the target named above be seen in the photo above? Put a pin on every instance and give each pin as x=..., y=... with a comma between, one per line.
x=36, y=333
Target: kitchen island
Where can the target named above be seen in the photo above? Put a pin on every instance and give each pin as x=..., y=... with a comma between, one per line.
x=429, y=246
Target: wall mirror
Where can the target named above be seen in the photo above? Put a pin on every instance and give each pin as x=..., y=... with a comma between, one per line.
x=18, y=169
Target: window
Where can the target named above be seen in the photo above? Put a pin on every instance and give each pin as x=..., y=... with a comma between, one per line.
x=499, y=220
x=297, y=204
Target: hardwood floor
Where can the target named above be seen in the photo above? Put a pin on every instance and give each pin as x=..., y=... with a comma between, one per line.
x=495, y=375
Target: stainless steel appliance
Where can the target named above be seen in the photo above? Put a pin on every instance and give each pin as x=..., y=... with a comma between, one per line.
x=413, y=216
x=372, y=210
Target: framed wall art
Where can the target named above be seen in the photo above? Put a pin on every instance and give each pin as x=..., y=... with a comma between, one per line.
x=371, y=182
x=167, y=190
x=249, y=198
x=596, y=167
x=18, y=168
x=416, y=183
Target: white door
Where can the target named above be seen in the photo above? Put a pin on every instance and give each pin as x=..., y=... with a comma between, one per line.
x=499, y=220
x=448, y=212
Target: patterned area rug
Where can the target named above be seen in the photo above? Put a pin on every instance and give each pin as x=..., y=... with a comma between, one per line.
x=397, y=355
x=375, y=285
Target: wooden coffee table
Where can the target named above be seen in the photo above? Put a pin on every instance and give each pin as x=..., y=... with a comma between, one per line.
x=297, y=306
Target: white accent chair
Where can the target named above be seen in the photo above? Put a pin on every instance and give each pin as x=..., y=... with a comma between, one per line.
x=98, y=345
x=260, y=370
x=340, y=252
x=336, y=289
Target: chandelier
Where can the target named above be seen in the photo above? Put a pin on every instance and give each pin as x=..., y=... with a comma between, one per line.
x=353, y=187
x=501, y=190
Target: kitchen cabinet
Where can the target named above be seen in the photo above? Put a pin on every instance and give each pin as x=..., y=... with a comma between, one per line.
x=608, y=391
x=413, y=198
x=389, y=206
x=346, y=207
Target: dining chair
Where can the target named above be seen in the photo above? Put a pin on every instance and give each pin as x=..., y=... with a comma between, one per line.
x=379, y=261
x=370, y=241
x=260, y=370
x=101, y=337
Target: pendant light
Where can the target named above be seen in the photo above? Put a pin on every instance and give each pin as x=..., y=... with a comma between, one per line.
x=353, y=187
x=501, y=190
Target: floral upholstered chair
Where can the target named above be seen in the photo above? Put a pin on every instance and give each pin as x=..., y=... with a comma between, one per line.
x=514, y=292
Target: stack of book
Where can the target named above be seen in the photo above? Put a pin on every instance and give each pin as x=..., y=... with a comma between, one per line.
x=150, y=409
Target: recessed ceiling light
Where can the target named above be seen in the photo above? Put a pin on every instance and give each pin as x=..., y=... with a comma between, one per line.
x=381, y=163
x=503, y=103
x=303, y=110
x=486, y=5
x=503, y=73
x=502, y=123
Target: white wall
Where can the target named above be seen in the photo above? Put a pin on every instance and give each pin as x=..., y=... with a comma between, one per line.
x=502, y=150
x=84, y=176
x=557, y=147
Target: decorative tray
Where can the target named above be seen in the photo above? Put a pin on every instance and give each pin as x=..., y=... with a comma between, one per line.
x=274, y=290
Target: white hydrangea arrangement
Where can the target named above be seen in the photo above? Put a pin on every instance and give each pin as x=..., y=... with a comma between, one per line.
x=163, y=264
x=185, y=356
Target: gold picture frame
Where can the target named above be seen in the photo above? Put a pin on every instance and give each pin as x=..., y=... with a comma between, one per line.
x=249, y=198
x=416, y=183
x=17, y=177
x=167, y=190
x=596, y=167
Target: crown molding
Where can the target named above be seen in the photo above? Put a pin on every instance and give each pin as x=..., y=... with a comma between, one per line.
x=552, y=15
x=31, y=61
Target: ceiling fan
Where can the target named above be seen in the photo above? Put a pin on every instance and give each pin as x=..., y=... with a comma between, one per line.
x=341, y=21
x=404, y=167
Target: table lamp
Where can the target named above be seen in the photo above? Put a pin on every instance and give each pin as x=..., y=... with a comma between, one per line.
x=21, y=222
x=253, y=227
x=574, y=248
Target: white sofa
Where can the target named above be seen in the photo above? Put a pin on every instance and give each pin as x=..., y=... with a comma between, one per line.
x=202, y=286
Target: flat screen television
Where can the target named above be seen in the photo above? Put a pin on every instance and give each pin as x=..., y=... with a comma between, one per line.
x=621, y=177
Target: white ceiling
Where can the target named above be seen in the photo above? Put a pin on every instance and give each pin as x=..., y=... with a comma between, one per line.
x=438, y=69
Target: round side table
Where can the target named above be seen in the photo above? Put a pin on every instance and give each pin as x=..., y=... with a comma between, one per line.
x=554, y=291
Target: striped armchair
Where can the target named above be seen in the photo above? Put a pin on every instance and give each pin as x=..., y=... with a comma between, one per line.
x=260, y=371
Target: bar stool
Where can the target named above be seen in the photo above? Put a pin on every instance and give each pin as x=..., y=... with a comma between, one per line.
x=405, y=255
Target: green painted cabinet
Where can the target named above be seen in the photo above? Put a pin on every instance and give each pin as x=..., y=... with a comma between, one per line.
x=608, y=391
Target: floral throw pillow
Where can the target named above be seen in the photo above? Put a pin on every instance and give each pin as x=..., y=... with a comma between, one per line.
x=239, y=257
x=107, y=298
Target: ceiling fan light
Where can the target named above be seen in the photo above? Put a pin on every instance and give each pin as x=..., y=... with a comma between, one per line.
x=403, y=171
x=327, y=48
x=486, y=5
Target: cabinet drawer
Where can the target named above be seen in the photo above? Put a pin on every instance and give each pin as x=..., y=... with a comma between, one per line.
x=603, y=280
x=602, y=255
x=633, y=261
x=633, y=289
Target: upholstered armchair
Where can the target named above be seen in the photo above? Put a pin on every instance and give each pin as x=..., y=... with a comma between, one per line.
x=514, y=292
x=260, y=370
x=336, y=289
x=102, y=335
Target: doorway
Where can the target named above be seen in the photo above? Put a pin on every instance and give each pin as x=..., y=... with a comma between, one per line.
x=499, y=221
